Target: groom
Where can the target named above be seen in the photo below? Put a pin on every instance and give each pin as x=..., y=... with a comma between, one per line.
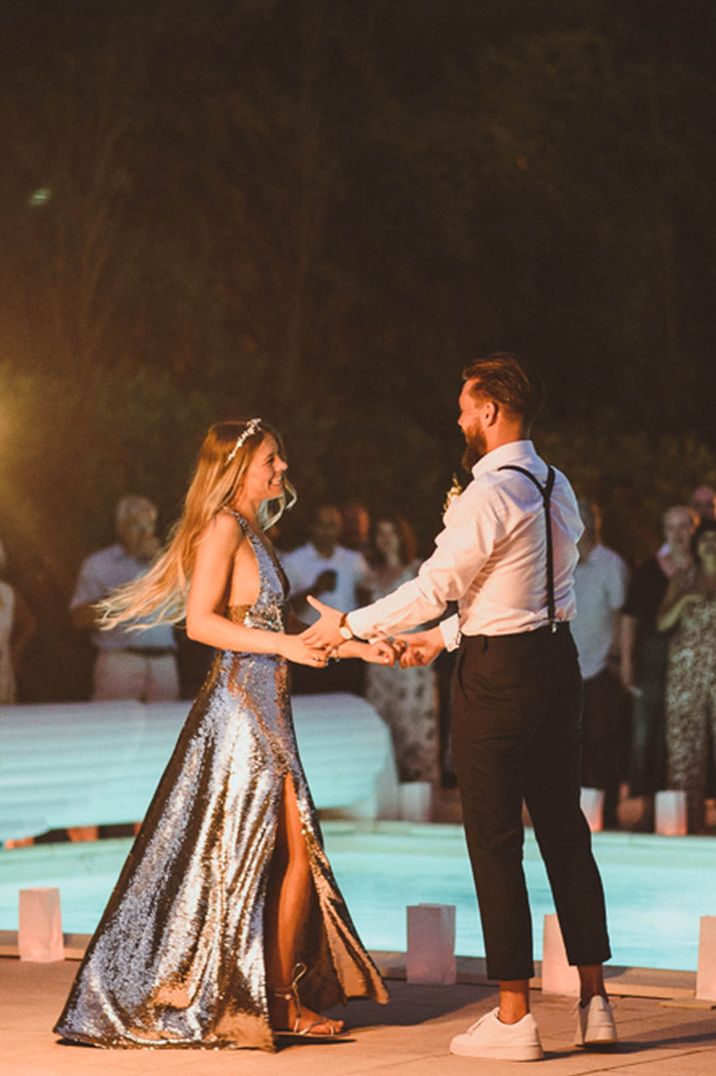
x=507, y=555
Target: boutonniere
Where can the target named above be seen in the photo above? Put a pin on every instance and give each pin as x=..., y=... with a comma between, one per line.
x=452, y=494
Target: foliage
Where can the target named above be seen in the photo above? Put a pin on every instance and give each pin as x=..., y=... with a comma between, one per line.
x=69, y=450
x=319, y=212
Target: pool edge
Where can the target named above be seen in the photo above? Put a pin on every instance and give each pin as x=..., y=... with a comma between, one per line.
x=622, y=981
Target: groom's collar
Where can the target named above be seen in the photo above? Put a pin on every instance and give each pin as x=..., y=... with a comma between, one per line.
x=509, y=453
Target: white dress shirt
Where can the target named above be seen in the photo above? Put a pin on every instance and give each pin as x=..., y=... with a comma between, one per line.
x=490, y=557
x=100, y=574
x=303, y=566
x=600, y=583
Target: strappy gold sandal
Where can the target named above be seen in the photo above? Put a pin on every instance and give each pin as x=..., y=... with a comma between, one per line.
x=290, y=993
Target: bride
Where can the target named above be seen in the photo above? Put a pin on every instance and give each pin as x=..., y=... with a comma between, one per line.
x=226, y=926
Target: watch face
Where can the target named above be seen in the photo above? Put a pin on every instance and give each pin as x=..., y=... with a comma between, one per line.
x=346, y=632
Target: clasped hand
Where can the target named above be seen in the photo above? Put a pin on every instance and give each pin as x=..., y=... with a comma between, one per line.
x=413, y=649
x=380, y=652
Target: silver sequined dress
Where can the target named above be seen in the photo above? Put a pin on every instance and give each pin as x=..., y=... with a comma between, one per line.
x=178, y=957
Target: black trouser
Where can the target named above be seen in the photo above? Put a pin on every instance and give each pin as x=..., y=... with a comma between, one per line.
x=516, y=735
x=647, y=768
x=605, y=739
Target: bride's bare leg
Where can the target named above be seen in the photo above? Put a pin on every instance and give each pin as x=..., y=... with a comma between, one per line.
x=287, y=905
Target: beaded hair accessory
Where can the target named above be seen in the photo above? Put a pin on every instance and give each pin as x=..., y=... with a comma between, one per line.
x=252, y=427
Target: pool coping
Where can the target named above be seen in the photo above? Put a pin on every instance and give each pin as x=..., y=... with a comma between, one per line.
x=670, y=986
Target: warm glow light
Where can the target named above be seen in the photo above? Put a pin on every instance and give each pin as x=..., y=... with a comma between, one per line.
x=40, y=197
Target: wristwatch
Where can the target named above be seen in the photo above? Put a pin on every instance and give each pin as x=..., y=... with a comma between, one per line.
x=343, y=629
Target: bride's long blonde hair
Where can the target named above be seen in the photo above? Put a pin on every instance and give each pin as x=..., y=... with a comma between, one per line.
x=159, y=597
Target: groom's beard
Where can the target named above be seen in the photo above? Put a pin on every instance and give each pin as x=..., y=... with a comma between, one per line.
x=475, y=448
x=469, y=458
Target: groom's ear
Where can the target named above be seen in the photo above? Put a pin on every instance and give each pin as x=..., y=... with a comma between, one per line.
x=490, y=412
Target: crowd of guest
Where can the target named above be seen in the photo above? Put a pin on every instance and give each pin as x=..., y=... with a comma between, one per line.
x=346, y=567
x=646, y=642
x=647, y=648
x=345, y=560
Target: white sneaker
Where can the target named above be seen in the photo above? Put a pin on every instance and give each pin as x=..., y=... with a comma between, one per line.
x=596, y=1025
x=489, y=1037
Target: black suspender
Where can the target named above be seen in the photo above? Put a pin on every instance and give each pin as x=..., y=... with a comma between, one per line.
x=546, y=493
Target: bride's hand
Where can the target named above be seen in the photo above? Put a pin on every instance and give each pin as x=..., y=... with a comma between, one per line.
x=295, y=649
x=381, y=652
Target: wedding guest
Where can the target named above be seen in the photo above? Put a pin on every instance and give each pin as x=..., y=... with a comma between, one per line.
x=644, y=652
x=355, y=533
x=129, y=664
x=324, y=568
x=600, y=582
x=703, y=502
x=404, y=698
x=688, y=612
x=17, y=626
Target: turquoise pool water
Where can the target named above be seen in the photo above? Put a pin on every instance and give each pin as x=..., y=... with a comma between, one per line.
x=657, y=887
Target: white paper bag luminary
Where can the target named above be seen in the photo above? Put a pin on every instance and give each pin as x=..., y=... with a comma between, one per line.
x=670, y=817
x=558, y=977
x=591, y=800
x=415, y=801
x=40, y=926
x=431, y=944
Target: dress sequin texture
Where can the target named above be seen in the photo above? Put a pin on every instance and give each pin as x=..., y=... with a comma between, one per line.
x=178, y=957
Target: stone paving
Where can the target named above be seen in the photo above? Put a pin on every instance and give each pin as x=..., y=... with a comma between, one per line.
x=409, y=1037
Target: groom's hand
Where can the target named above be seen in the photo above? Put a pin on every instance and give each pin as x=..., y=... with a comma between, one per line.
x=421, y=647
x=324, y=633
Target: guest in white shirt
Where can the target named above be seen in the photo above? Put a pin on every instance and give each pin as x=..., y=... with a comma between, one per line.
x=600, y=582
x=507, y=555
x=130, y=664
x=324, y=567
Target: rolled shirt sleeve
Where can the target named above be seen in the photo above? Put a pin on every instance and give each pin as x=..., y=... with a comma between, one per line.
x=473, y=524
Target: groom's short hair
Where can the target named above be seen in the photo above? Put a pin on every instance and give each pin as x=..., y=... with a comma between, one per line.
x=510, y=382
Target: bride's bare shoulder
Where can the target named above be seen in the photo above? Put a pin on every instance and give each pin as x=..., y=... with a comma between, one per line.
x=223, y=530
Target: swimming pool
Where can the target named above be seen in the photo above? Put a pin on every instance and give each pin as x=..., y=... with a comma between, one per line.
x=656, y=887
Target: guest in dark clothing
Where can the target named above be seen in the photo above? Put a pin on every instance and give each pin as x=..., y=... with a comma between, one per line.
x=600, y=582
x=644, y=651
